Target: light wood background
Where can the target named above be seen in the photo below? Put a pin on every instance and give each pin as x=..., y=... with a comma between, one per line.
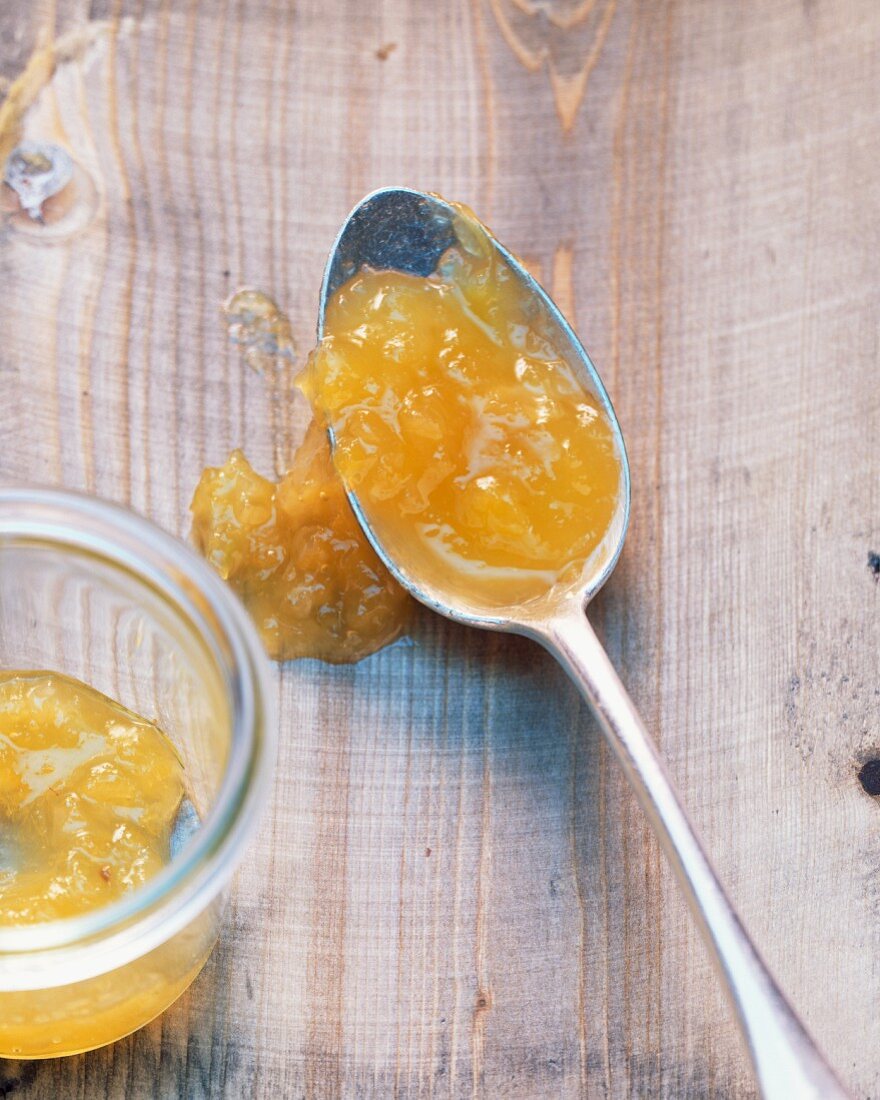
x=454, y=895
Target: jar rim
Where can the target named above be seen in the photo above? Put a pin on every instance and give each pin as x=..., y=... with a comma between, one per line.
x=75, y=948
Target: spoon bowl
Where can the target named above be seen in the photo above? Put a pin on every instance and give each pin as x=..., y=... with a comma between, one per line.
x=399, y=229
x=404, y=230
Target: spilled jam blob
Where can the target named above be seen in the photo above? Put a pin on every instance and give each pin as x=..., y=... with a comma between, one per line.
x=296, y=555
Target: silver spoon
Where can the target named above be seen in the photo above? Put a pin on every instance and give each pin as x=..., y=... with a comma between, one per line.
x=397, y=228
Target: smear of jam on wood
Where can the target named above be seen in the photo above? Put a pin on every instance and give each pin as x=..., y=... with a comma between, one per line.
x=297, y=556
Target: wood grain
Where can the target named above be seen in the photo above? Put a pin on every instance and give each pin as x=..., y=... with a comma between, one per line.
x=454, y=894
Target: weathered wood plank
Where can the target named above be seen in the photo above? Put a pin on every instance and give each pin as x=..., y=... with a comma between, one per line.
x=454, y=894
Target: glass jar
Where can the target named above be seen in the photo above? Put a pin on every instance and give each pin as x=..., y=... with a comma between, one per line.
x=92, y=591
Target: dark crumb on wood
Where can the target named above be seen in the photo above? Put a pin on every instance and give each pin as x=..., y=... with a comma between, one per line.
x=427, y=851
x=226, y=272
x=869, y=776
x=16, y=1075
x=874, y=563
x=384, y=52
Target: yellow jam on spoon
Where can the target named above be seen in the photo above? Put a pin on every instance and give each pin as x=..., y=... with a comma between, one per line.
x=471, y=445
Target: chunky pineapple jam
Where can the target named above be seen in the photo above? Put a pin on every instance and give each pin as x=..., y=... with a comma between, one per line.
x=295, y=553
x=88, y=797
x=474, y=450
x=477, y=455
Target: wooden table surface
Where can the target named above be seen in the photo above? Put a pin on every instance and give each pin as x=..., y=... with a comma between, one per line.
x=454, y=894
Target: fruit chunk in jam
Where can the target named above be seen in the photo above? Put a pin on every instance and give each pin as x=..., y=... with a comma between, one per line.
x=475, y=452
x=295, y=553
x=89, y=793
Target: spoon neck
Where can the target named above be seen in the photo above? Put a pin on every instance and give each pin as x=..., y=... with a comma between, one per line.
x=786, y=1060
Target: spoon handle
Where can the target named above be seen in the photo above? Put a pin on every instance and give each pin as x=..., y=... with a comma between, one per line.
x=787, y=1063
